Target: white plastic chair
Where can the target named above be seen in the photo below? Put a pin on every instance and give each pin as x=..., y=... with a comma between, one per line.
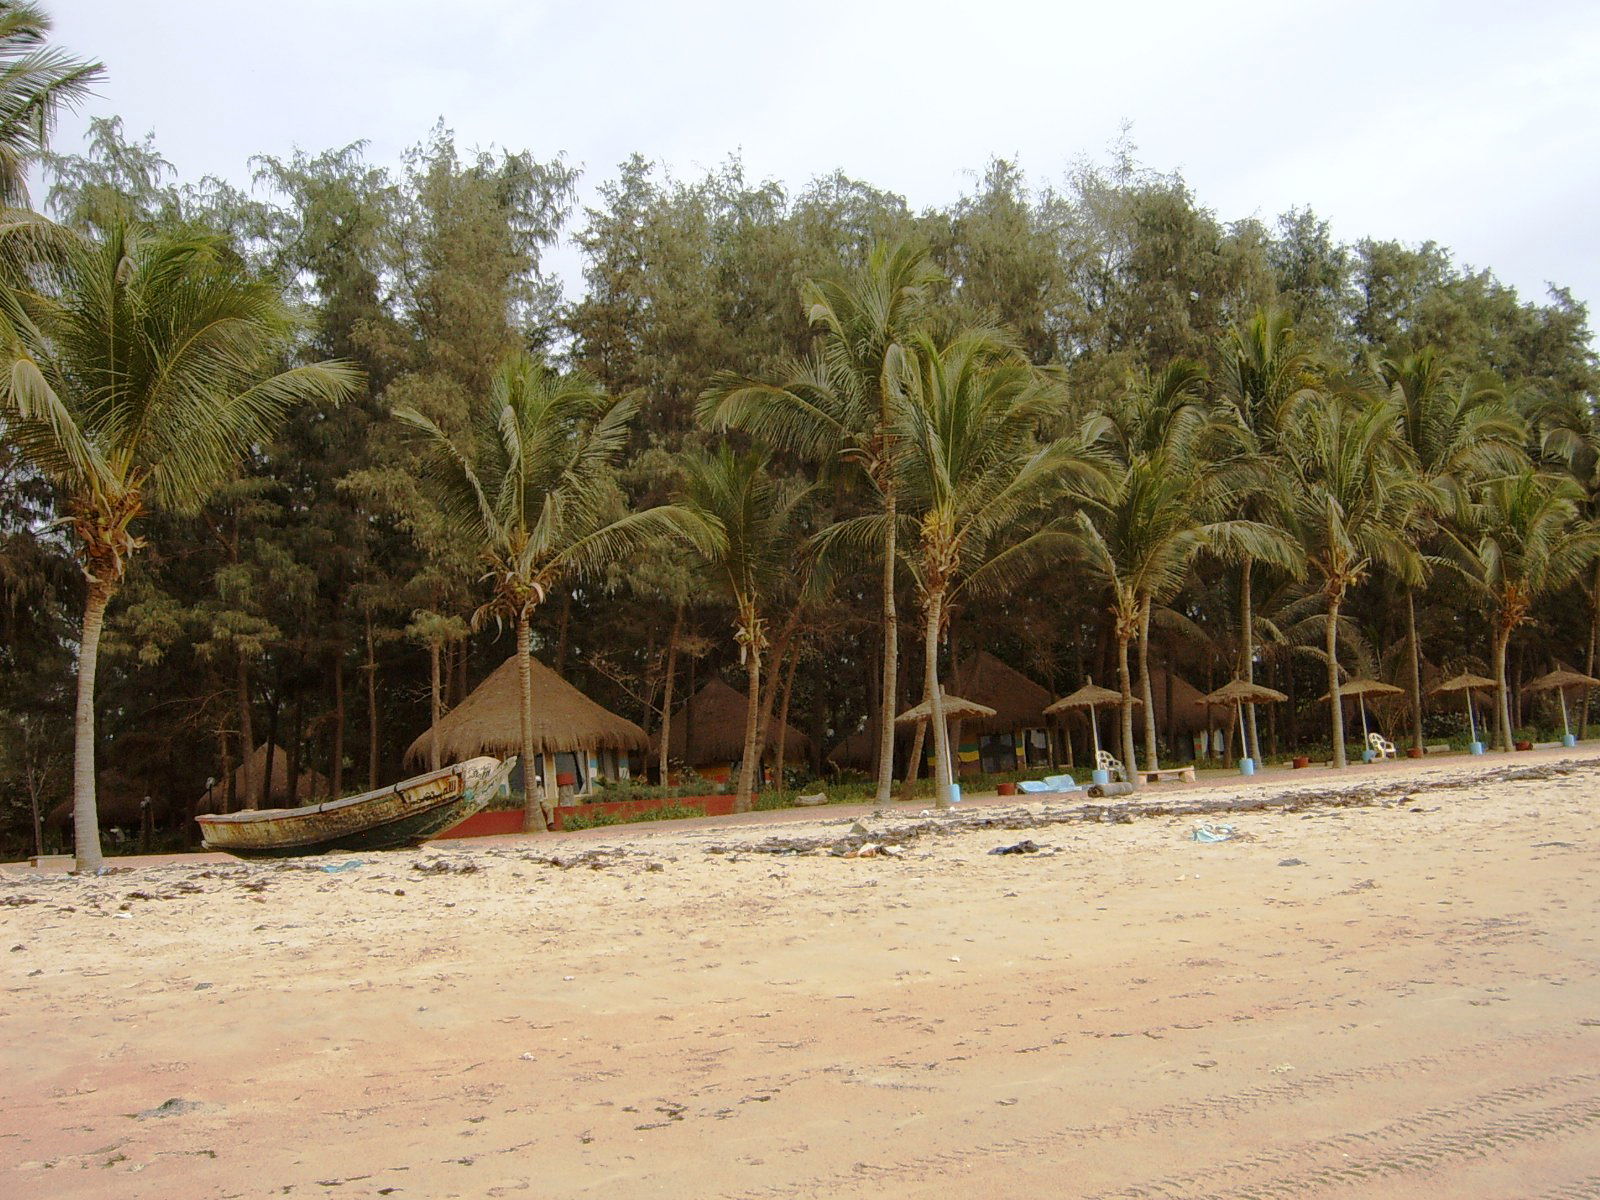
x=1104, y=760
x=1381, y=746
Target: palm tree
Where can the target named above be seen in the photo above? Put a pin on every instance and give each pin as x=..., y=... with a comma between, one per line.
x=745, y=523
x=1570, y=434
x=1353, y=490
x=977, y=483
x=1140, y=539
x=1521, y=538
x=1264, y=380
x=530, y=487
x=834, y=408
x=1458, y=432
x=137, y=371
x=36, y=82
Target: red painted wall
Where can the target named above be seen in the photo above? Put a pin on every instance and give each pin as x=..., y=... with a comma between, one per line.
x=487, y=824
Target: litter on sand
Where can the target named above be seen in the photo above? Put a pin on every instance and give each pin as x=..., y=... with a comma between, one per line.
x=347, y=865
x=1204, y=831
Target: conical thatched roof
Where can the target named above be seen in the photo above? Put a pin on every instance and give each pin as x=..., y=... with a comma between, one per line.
x=1240, y=692
x=1018, y=701
x=955, y=709
x=1351, y=688
x=308, y=787
x=1090, y=695
x=709, y=729
x=1562, y=677
x=489, y=721
x=1464, y=682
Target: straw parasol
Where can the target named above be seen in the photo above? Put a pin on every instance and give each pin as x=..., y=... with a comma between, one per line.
x=1090, y=696
x=1362, y=688
x=955, y=709
x=1238, y=693
x=1559, y=681
x=709, y=729
x=489, y=721
x=1467, y=683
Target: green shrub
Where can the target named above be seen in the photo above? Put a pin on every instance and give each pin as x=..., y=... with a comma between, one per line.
x=577, y=819
x=671, y=812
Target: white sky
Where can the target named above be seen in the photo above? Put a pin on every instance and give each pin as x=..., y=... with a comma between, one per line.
x=1473, y=124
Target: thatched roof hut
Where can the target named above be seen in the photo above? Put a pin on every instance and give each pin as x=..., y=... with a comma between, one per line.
x=307, y=788
x=709, y=729
x=489, y=721
x=1018, y=701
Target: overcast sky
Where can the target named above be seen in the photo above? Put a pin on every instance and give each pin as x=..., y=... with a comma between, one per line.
x=1473, y=124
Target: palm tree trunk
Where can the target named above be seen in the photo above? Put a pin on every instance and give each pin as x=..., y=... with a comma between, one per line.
x=1502, y=694
x=85, y=813
x=944, y=779
x=1247, y=665
x=666, y=698
x=1588, y=669
x=372, y=708
x=1151, y=761
x=1125, y=677
x=1416, y=669
x=891, y=654
x=747, y=767
x=914, y=764
x=1331, y=645
x=247, y=738
x=433, y=728
x=535, y=817
x=783, y=714
x=769, y=701
x=336, y=768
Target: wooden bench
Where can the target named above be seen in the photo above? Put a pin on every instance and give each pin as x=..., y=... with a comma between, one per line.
x=1184, y=774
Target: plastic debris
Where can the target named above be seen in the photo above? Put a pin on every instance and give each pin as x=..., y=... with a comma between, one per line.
x=347, y=865
x=1204, y=831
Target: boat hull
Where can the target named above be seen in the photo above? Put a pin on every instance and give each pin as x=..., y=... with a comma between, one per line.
x=406, y=814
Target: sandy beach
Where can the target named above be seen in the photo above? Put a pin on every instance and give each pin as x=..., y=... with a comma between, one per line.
x=1387, y=984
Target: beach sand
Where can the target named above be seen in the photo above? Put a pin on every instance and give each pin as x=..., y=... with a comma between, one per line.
x=1390, y=992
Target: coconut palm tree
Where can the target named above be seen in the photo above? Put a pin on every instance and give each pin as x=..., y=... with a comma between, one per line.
x=1459, y=431
x=1141, y=537
x=1263, y=381
x=530, y=487
x=834, y=408
x=1353, y=489
x=136, y=371
x=1521, y=538
x=977, y=484
x=746, y=525
x=1569, y=433
x=36, y=82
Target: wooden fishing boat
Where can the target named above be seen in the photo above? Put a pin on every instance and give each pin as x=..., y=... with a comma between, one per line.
x=405, y=814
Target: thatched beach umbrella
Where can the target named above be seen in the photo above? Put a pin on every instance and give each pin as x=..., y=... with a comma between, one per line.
x=1238, y=693
x=1560, y=680
x=955, y=709
x=1362, y=688
x=1467, y=683
x=1091, y=697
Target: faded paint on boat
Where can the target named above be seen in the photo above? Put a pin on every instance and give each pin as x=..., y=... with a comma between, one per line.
x=402, y=815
